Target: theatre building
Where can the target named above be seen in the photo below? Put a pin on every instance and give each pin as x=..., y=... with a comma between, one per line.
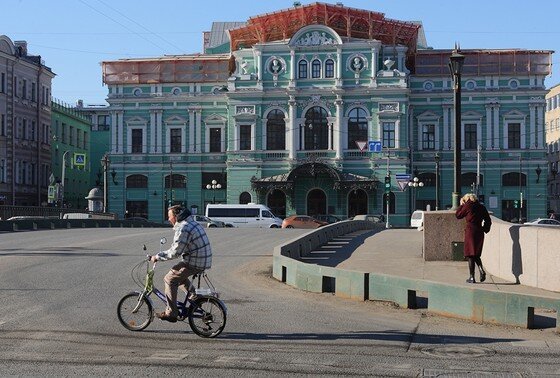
x=279, y=110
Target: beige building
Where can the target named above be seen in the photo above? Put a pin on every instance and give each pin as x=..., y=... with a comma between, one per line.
x=25, y=119
x=552, y=126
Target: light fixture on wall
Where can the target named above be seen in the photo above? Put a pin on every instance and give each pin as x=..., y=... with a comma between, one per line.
x=538, y=171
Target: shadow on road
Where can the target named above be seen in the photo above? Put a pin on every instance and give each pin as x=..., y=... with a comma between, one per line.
x=388, y=335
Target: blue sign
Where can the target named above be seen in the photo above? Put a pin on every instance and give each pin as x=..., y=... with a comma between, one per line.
x=79, y=159
x=403, y=176
x=374, y=146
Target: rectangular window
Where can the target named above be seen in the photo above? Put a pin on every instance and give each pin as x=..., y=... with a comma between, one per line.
x=136, y=141
x=34, y=92
x=215, y=139
x=71, y=136
x=24, y=89
x=176, y=140
x=388, y=134
x=24, y=130
x=302, y=69
x=3, y=83
x=85, y=140
x=16, y=86
x=2, y=125
x=2, y=170
x=470, y=136
x=514, y=135
x=32, y=131
x=245, y=137
x=428, y=137
x=63, y=136
x=103, y=122
x=329, y=68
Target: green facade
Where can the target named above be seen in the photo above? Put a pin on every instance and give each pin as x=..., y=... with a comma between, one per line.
x=71, y=138
x=371, y=93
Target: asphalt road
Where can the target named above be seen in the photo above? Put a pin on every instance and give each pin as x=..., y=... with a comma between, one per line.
x=59, y=290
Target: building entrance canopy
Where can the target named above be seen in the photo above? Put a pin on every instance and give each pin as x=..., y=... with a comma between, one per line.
x=341, y=180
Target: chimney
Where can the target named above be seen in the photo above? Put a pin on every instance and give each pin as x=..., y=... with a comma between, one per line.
x=21, y=47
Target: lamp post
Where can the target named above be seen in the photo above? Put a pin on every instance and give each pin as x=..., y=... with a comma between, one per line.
x=63, y=178
x=456, y=61
x=437, y=158
x=105, y=163
x=520, y=194
x=214, y=186
x=414, y=184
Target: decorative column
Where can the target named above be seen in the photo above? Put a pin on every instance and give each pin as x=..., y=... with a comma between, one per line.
x=153, y=132
x=532, y=120
x=338, y=127
x=496, y=124
x=192, y=131
x=292, y=68
x=114, y=132
x=489, y=126
x=160, y=142
x=540, y=126
x=373, y=75
x=292, y=143
x=339, y=63
x=198, y=146
x=258, y=64
x=120, y=136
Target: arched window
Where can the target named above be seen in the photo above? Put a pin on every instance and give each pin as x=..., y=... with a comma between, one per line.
x=178, y=182
x=302, y=69
x=316, y=129
x=329, y=68
x=244, y=198
x=469, y=178
x=275, y=130
x=428, y=178
x=316, y=69
x=137, y=181
x=514, y=179
x=357, y=127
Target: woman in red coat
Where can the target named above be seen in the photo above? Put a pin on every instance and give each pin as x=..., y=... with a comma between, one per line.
x=478, y=223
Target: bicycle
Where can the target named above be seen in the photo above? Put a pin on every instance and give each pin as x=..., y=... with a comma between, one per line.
x=206, y=313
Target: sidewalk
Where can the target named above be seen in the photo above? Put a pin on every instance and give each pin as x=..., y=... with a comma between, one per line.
x=393, y=261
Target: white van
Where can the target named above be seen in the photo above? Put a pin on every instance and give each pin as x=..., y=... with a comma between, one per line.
x=417, y=219
x=250, y=215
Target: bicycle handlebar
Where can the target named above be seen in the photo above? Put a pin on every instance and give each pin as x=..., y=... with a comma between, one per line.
x=149, y=258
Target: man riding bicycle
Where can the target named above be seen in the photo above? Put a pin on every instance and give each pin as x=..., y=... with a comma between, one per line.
x=190, y=242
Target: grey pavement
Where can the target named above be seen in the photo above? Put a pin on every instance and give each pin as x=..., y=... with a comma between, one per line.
x=398, y=252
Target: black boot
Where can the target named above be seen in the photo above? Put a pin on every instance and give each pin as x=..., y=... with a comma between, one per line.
x=482, y=275
x=471, y=280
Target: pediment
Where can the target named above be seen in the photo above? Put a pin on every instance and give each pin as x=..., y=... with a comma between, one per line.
x=471, y=115
x=175, y=119
x=136, y=121
x=428, y=115
x=514, y=114
x=215, y=118
x=315, y=35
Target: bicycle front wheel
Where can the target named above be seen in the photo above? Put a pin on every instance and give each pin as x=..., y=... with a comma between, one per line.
x=135, y=320
x=207, y=317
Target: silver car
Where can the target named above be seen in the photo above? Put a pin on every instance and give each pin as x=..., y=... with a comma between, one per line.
x=209, y=223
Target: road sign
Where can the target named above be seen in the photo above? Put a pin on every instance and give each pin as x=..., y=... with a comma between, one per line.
x=79, y=159
x=402, y=180
x=374, y=146
x=362, y=145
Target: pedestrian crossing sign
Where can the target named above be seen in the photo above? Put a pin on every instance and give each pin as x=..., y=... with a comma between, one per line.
x=80, y=159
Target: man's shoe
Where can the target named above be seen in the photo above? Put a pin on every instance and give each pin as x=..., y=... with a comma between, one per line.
x=471, y=280
x=166, y=317
x=482, y=276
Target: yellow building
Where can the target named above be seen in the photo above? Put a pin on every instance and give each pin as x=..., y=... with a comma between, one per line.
x=552, y=126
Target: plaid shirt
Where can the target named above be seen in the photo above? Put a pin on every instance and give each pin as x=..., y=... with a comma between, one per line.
x=191, y=242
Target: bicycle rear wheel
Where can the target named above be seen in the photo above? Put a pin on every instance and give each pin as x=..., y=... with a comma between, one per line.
x=207, y=317
x=138, y=320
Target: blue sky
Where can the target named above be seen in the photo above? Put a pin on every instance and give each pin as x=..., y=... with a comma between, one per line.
x=74, y=36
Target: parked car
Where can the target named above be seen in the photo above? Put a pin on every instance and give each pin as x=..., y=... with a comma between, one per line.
x=209, y=223
x=137, y=219
x=302, y=221
x=417, y=219
x=375, y=218
x=543, y=222
x=329, y=218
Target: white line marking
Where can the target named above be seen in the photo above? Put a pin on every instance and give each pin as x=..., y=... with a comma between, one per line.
x=226, y=359
x=168, y=356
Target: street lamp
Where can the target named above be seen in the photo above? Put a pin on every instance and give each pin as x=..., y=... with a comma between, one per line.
x=437, y=158
x=214, y=186
x=456, y=61
x=63, y=178
x=105, y=163
x=414, y=184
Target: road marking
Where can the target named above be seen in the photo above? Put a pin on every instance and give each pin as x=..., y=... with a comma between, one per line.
x=170, y=356
x=227, y=359
x=314, y=258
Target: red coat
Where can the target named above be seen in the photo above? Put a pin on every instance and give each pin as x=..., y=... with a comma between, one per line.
x=474, y=213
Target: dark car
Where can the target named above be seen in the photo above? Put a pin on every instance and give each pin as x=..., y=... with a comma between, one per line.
x=329, y=218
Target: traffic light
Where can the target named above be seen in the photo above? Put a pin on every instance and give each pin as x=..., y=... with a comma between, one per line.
x=387, y=184
x=515, y=204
